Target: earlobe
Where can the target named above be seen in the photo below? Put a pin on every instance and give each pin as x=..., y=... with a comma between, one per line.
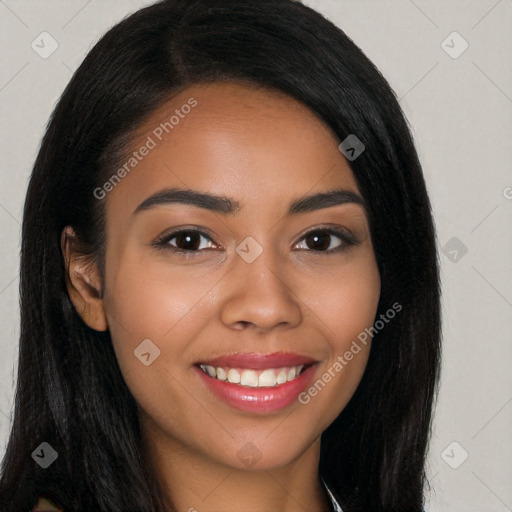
x=83, y=281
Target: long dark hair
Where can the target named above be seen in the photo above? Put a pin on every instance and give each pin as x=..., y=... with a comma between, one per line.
x=70, y=391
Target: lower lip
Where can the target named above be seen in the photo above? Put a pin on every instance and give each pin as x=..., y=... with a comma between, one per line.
x=258, y=400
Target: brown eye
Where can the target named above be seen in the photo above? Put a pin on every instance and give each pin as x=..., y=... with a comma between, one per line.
x=185, y=241
x=320, y=240
x=188, y=241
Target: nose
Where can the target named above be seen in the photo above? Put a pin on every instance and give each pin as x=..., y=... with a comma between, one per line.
x=260, y=295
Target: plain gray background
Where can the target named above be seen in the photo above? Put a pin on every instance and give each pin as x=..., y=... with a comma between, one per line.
x=459, y=103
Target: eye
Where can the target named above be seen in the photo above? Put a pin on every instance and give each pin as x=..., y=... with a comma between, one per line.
x=185, y=240
x=320, y=240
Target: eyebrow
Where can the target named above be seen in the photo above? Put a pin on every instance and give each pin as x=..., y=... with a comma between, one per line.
x=229, y=206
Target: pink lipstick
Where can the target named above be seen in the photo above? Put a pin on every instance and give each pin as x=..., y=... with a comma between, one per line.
x=257, y=383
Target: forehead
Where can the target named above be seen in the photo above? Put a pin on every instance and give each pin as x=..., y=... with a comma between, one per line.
x=260, y=144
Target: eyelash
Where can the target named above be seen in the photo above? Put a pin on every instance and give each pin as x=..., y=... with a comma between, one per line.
x=347, y=241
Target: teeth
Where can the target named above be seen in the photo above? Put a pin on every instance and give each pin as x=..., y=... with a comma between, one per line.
x=249, y=378
x=267, y=378
x=233, y=376
x=281, y=378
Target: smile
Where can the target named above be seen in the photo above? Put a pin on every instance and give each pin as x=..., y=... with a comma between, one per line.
x=256, y=383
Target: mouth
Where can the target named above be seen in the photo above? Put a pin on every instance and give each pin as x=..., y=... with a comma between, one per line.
x=257, y=383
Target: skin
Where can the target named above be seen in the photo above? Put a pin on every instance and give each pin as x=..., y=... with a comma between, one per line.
x=265, y=150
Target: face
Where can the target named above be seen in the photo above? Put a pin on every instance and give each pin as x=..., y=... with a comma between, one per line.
x=255, y=285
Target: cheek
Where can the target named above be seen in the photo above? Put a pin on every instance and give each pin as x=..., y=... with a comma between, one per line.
x=148, y=302
x=346, y=305
x=145, y=301
x=355, y=308
x=346, y=300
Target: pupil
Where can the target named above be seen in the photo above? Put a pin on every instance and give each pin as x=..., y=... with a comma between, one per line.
x=186, y=238
x=324, y=237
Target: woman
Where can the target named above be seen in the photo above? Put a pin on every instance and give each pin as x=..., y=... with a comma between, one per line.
x=288, y=358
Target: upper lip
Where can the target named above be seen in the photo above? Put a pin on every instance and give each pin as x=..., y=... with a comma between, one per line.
x=256, y=361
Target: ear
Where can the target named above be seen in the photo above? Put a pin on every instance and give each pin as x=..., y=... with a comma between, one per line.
x=83, y=281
